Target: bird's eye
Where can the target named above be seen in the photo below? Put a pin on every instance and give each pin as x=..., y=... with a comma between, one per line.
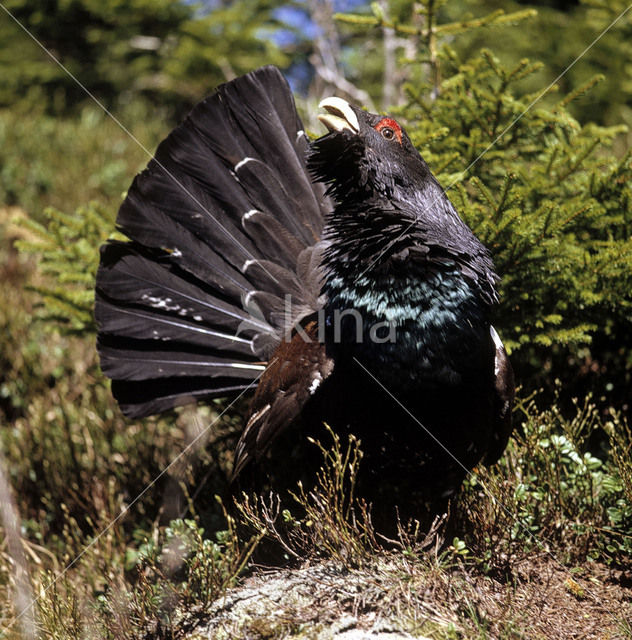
x=389, y=129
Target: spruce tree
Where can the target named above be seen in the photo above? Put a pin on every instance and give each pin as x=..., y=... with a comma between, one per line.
x=544, y=192
x=168, y=53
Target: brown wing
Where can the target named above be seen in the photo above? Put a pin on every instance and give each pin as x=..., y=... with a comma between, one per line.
x=504, y=391
x=294, y=373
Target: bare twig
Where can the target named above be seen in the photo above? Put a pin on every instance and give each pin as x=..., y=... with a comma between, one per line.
x=327, y=54
x=10, y=521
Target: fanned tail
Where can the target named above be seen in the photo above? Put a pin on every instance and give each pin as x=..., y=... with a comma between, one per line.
x=223, y=223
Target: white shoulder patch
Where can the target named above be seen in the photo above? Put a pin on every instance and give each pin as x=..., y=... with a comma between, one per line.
x=496, y=338
x=498, y=343
x=316, y=380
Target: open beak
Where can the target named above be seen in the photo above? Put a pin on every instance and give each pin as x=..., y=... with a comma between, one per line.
x=339, y=116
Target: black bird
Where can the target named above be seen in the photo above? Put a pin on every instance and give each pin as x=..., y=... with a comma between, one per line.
x=336, y=275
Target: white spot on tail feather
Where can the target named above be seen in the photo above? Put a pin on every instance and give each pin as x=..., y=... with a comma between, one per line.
x=241, y=163
x=247, y=298
x=158, y=302
x=241, y=365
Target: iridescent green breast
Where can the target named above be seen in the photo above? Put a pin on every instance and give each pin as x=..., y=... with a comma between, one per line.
x=431, y=330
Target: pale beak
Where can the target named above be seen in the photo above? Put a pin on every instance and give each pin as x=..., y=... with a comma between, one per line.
x=339, y=116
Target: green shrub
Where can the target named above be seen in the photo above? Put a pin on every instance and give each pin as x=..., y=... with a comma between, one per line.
x=68, y=247
x=550, y=493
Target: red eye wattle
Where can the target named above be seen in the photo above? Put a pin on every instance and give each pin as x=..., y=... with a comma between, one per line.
x=389, y=129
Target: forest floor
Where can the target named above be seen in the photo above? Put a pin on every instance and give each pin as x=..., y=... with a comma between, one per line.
x=397, y=598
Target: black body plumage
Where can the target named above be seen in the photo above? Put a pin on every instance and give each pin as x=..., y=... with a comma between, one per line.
x=321, y=270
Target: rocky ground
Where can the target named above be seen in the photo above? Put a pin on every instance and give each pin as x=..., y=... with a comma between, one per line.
x=398, y=598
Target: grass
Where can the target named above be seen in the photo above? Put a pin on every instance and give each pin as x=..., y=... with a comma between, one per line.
x=147, y=578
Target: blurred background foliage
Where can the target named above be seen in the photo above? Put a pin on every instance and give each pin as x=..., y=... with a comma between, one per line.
x=547, y=186
x=157, y=51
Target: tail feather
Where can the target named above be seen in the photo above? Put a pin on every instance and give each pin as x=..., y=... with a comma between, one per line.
x=132, y=363
x=194, y=206
x=266, y=276
x=135, y=281
x=142, y=324
x=268, y=194
x=260, y=114
x=147, y=397
x=273, y=238
x=224, y=223
x=183, y=248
